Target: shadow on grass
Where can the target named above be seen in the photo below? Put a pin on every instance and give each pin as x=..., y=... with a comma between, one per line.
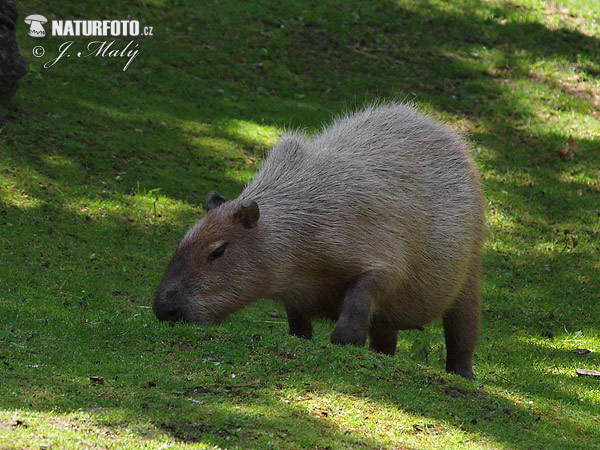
x=385, y=50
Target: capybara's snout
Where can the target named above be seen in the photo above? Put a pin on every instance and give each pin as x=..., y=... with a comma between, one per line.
x=167, y=305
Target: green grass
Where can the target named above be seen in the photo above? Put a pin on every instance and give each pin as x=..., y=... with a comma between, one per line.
x=102, y=171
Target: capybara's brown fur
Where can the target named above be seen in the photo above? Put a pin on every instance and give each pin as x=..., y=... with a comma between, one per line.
x=377, y=222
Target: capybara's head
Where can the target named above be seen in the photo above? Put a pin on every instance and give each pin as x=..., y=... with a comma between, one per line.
x=215, y=269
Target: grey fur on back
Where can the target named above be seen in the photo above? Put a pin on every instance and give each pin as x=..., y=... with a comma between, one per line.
x=386, y=190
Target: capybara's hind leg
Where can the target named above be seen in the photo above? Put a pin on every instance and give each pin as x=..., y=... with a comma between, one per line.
x=461, y=327
x=300, y=324
x=383, y=336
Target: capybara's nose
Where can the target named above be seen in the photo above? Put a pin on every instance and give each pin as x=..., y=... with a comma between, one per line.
x=167, y=307
x=170, y=314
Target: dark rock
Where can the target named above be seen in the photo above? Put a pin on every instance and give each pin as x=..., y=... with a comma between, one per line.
x=12, y=64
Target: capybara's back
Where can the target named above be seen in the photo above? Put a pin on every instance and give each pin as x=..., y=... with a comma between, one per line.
x=377, y=222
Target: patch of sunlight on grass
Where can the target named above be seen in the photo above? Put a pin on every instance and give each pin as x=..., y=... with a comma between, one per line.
x=233, y=130
x=577, y=124
x=12, y=195
x=135, y=208
x=214, y=145
x=195, y=128
x=497, y=244
x=580, y=338
x=111, y=112
x=548, y=247
x=58, y=161
x=382, y=421
x=251, y=131
x=233, y=139
x=84, y=428
x=580, y=177
x=499, y=219
x=241, y=176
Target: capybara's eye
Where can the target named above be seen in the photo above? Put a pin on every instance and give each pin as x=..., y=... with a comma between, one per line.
x=217, y=253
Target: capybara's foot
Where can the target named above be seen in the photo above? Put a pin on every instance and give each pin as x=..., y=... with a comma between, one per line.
x=383, y=335
x=348, y=334
x=385, y=347
x=301, y=333
x=462, y=369
x=300, y=325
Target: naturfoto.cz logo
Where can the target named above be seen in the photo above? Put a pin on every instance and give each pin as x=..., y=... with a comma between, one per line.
x=36, y=25
x=88, y=28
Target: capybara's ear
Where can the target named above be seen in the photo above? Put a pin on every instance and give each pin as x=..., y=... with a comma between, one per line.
x=213, y=199
x=247, y=214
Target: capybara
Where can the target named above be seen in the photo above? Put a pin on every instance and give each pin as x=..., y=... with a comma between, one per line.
x=377, y=222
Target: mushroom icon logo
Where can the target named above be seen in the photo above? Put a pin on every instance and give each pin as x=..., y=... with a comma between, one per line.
x=36, y=23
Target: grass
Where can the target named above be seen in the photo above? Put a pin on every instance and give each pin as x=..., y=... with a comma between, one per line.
x=102, y=171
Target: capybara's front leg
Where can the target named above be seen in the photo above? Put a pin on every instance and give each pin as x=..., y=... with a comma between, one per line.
x=352, y=326
x=300, y=324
